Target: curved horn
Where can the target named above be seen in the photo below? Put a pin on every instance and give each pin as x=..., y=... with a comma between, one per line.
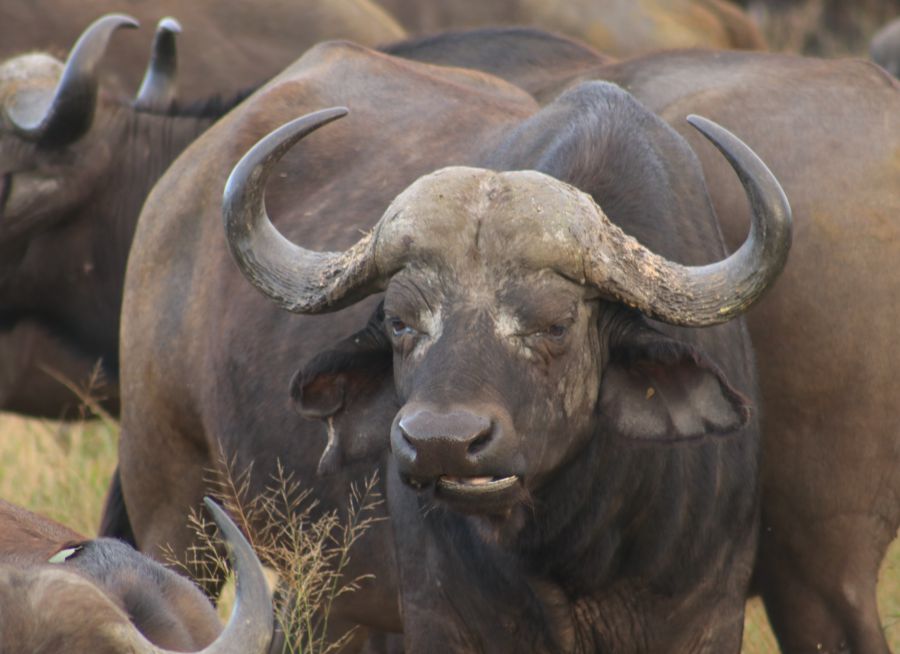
x=297, y=279
x=158, y=87
x=250, y=628
x=696, y=296
x=68, y=114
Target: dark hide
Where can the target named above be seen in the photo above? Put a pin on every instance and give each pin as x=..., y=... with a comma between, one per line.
x=825, y=336
x=823, y=502
x=62, y=261
x=618, y=535
x=539, y=62
x=350, y=388
x=63, y=252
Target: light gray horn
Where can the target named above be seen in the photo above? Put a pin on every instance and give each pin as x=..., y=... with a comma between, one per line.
x=250, y=628
x=67, y=115
x=158, y=87
x=696, y=296
x=297, y=279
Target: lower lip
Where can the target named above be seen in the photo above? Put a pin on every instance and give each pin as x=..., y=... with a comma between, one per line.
x=475, y=486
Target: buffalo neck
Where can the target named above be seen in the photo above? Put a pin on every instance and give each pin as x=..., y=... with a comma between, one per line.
x=571, y=559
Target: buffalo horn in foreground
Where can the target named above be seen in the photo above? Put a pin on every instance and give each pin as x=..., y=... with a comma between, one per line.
x=249, y=630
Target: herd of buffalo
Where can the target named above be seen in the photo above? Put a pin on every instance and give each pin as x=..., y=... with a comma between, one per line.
x=605, y=291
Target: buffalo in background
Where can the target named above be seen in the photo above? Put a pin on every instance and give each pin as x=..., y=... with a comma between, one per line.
x=620, y=28
x=60, y=592
x=74, y=172
x=825, y=28
x=228, y=46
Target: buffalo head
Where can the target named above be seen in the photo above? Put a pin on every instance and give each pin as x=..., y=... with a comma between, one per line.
x=515, y=312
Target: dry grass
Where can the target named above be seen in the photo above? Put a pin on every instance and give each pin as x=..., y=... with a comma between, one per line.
x=62, y=471
x=307, y=550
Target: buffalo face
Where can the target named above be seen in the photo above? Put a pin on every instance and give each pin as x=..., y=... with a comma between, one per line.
x=497, y=368
x=513, y=309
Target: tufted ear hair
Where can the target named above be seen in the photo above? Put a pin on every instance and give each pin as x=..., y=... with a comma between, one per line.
x=351, y=388
x=657, y=388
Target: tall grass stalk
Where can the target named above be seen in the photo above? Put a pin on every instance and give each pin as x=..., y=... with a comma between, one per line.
x=308, y=549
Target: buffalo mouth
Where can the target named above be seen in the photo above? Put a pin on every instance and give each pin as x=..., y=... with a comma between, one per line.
x=479, y=495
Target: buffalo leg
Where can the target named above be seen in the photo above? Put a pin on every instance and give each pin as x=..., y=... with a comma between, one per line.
x=821, y=598
x=161, y=484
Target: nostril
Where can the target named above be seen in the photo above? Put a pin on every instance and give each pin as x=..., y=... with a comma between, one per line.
x=479, y=442
x=405, y=434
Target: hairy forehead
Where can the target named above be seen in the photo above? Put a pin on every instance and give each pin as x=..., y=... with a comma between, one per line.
x=529, y=291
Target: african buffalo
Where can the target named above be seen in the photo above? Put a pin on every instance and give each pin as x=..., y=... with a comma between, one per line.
x=76, y=164
x=228, y=46
x=535, y=327
x=621, y=28
x=885, y=47
x=827, y=524
x=830, y=485
x=73, y=175
x=62, y=592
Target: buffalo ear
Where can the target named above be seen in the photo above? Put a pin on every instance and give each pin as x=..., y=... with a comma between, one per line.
x=319, y=395
x=340, y=376
x=351, y=388
x=656, y=388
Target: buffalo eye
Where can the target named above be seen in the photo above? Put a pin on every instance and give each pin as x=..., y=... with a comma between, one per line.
x=399, y=328
x=556, y=332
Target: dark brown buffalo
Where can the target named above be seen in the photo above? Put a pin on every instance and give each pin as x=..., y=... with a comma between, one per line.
x=61, y=592
x=885, y=47
x=579, y=544
x=830, y=486
x=76, y=163
x=620, y=28
x=228, y=46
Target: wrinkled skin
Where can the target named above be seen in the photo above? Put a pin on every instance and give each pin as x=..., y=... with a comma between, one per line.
x=226, y=47
x=196, y=390
x=830, y=488
x=621, y=28
x=101, y=581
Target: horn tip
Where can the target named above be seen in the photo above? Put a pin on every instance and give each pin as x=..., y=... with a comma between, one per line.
x=123, y=20
x=169, y=24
